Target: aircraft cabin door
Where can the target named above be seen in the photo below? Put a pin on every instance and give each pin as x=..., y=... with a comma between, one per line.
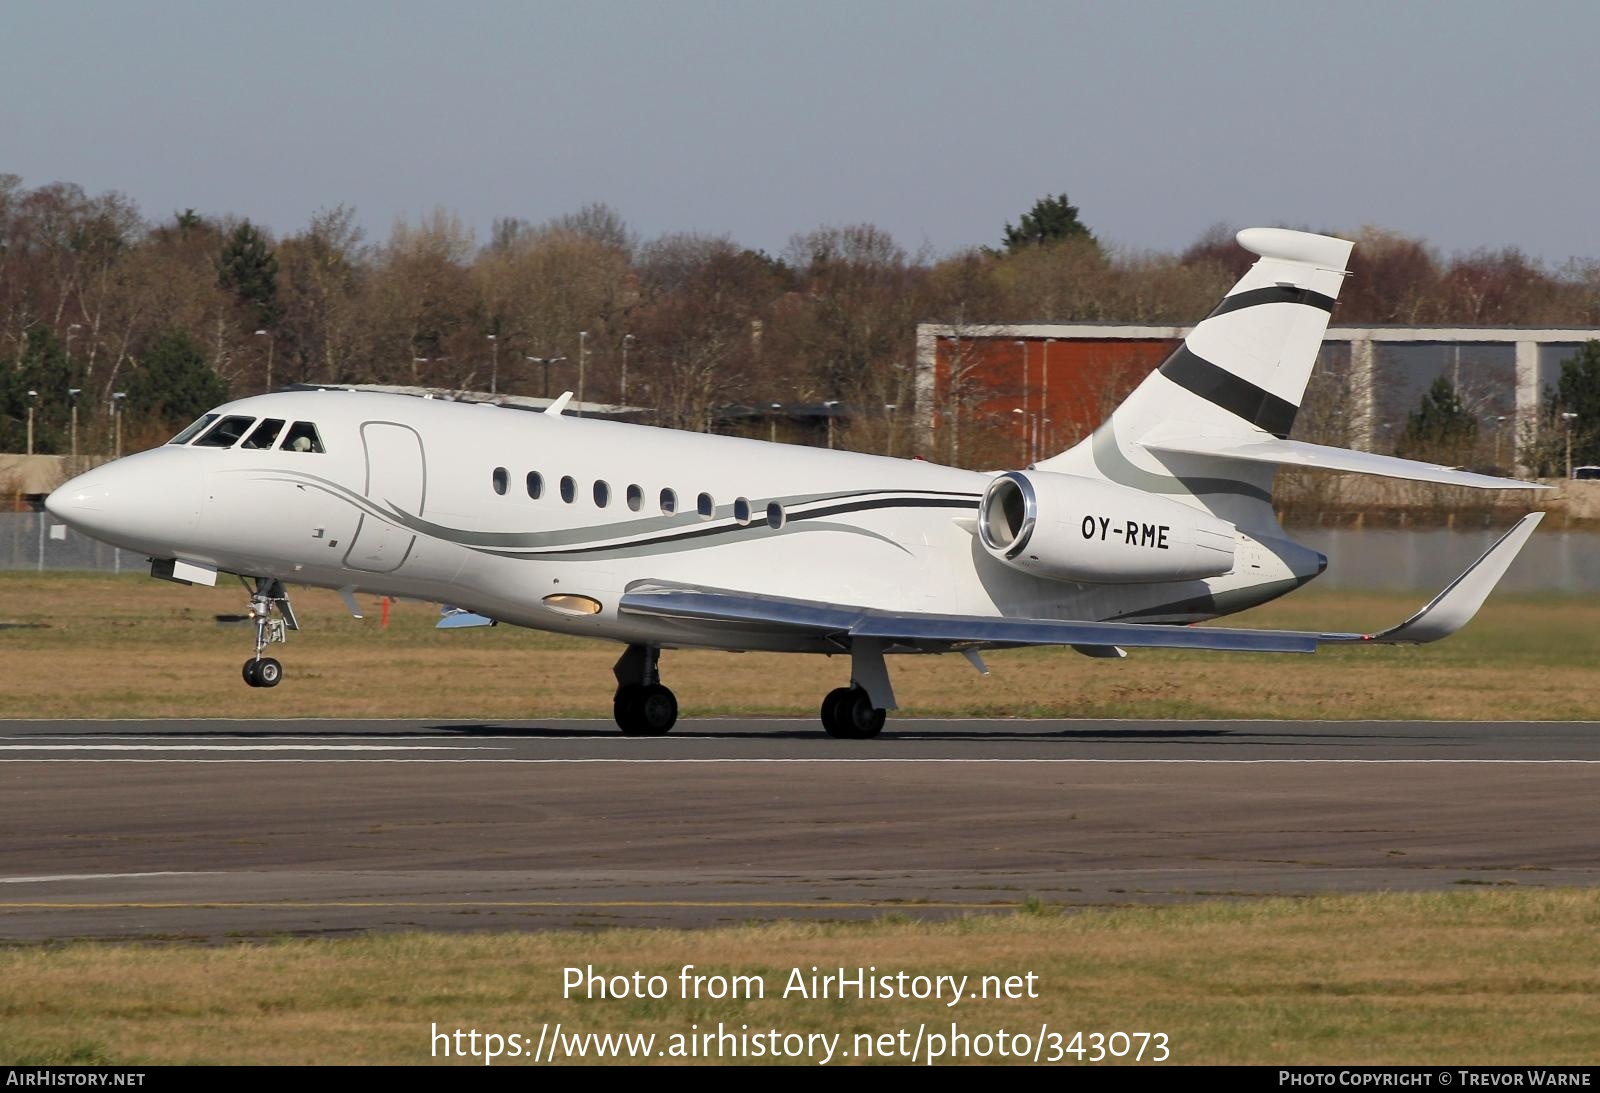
x=396, y=479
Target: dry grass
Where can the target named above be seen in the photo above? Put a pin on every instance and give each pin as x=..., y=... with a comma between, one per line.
x=1454, y=978
x=132, y=647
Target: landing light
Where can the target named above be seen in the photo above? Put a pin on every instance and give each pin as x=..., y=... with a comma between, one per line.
x=568, y=604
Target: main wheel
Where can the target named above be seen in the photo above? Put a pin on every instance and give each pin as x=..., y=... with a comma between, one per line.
x=645, y=709
x=832, y=720
x=625, y=706
x=249, y=673
x=848, y=714
x=269, y=673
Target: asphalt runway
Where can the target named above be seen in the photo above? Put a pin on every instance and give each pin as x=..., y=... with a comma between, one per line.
x=219, y=829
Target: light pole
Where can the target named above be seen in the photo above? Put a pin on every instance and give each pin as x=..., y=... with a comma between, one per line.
x=547, y=362
x=271, y=345
x=627, y=344
x=33, y=399
x=772, y=422
x=583, y=365
x=117, y=399
x=1567, y=419
x=1499, y=434
x=888, y=411
x=1024, y=444
x=829, y=407
x=1024, y=345
x=494, y=368
x=72, y=397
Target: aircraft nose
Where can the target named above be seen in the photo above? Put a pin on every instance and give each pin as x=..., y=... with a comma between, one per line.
x=143, y=502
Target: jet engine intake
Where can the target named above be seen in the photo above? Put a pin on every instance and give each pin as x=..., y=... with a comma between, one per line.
x=1067, y=528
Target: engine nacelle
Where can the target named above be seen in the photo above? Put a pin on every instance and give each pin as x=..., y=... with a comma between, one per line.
x=1068, y=528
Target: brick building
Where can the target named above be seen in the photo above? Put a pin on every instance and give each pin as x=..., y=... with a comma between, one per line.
x=995, y=395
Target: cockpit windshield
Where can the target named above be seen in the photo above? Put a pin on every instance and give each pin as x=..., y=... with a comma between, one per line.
x=265, y=433
x=302, y=437
x=216, y=431
x=194, y=430
x=225, y=433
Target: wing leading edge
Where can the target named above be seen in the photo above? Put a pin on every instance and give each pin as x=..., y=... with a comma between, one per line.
x=1444, y=615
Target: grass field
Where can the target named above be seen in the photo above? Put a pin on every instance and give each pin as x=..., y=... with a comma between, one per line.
x=1454, y=978
x=88, y=645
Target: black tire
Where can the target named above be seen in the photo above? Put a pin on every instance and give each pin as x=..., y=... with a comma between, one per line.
x=658, y=710
x=848, y=714
x=833, y=719
x=625, y=707
x=645, y=710
x=249, y=673
x=269, y=673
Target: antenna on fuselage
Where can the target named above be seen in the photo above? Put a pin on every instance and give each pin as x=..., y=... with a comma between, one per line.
x=560, y=404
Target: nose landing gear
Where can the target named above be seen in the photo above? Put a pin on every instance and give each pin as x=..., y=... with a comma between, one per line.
x=268, y=597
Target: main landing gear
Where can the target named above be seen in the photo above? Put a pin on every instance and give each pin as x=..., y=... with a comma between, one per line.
x=642, y=706
x=848, y=714
x=268, y=597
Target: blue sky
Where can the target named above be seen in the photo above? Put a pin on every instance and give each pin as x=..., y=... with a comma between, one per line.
x=1471, y=124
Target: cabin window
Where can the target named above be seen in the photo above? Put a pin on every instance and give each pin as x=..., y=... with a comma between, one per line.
x=635, y=497
x=302, y=437
x=501, y=481
x=265, y=435
x=569, y=489
x=669, y=502
x=535, y=485
x=741, y=509
x=705, y=506
x=194, y=430
x=775, y=516
x=225, y=433
x=602, y=495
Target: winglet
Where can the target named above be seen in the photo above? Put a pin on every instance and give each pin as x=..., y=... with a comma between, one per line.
x=560, y=404
x=1453, y=608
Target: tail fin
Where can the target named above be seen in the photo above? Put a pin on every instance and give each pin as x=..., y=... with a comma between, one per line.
x=1239, y=375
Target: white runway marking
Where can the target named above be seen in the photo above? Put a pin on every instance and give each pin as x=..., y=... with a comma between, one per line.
x=104, y=876
x=237, y=747
x=449, y=722
x=860, y=762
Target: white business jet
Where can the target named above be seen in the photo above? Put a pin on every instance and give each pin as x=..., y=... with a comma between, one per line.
x=660, y=539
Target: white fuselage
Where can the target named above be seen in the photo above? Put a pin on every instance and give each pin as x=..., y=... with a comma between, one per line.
x=405, y=500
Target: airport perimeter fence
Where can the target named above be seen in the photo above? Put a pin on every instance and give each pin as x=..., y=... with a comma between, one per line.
x=33, y=540
x=1359, y=559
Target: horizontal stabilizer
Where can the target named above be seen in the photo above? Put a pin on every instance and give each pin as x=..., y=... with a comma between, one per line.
x=1295, y=453
x=1453, y=608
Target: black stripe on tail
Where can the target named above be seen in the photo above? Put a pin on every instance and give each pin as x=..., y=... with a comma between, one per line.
x=1272, y=294
x=1234, y=394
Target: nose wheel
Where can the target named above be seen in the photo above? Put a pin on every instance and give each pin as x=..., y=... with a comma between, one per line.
x=266, y=672
x=273, y=618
